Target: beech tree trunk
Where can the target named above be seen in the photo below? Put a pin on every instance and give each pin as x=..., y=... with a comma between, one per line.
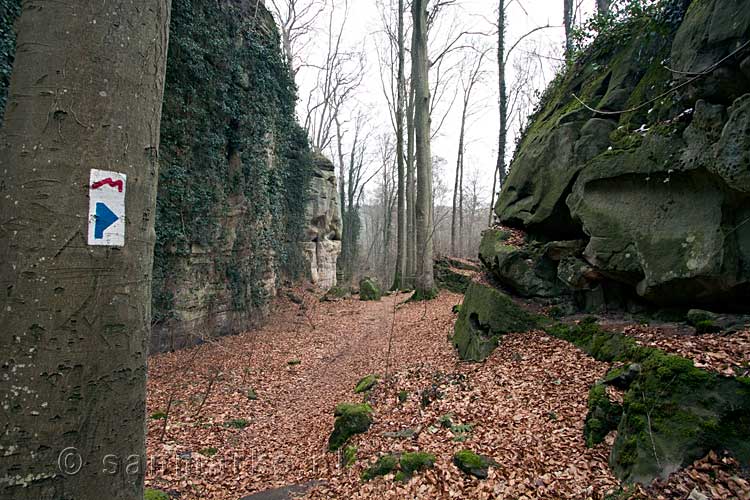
x=86, y=93
x=602, y=6
x=425, y=283
x=398, y=279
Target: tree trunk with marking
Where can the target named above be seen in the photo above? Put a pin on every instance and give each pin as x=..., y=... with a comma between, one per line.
x=86, y=93
x=425, y=283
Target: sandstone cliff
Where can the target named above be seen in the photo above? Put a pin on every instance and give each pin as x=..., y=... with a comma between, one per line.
x=640, y=154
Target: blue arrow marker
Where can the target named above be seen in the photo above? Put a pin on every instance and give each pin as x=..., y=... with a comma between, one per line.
x=104, y=218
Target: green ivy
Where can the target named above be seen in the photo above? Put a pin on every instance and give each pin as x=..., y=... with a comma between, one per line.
x=9, y=11
x=229, y=101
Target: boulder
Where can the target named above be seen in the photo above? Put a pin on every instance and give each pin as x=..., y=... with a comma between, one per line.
x=660, y=193
x=486, y=315
x=369, y=289
x=454, y=274
x=523, y=269
x=351, y=419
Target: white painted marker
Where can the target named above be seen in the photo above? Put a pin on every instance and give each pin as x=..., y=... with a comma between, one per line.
x=107, y=208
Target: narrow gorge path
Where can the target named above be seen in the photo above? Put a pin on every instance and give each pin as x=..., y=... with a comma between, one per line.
x=253, y=412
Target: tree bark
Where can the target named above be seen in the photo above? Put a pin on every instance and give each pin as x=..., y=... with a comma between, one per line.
x=568, y=23
x=602, y=6
x=499, y=177
x=86, y=93
x=425, y=284
x=411, y=221
x=401, y=193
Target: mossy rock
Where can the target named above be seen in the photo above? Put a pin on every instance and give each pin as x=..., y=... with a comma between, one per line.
x=336, y=293
x=351, y=419
x=486, y=315
x=421, y=295
x=672, y=414
x=603, y=416
x=365, y=384
x=471, y=463
x=449, y=276
x=151, y=494
x=412, y=462
x=369, y=289
x=383, y=466
x=404, y=465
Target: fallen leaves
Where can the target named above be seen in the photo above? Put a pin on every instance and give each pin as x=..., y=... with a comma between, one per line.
x=524, y=408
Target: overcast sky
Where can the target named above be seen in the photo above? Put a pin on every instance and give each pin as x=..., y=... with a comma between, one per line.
x=364, y=31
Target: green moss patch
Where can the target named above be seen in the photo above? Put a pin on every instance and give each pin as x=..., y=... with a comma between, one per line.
x=151, y=494
x=603, y=416
x=349, y=456
x=365, y=384
x=486, y=315
x=471, y=463
x=237, y=423
x=672, y=414
x=405, y=465
x=369, y=289
x=351, y=419
x=383, y=466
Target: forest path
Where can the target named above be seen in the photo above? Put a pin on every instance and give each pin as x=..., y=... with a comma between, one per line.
x=300, y=365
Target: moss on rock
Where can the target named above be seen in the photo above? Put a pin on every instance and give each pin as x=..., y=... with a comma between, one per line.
x=151, y=494
x=351, y=419
x=486, y=315
x=369, y=289
x=383, y=466
x=473, y=464
x=365, y=384
x=412, y=462
x=603, y=416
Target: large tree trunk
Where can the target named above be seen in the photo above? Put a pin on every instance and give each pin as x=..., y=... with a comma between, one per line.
x=401, y=203
x=425, y=284
x=86, y=93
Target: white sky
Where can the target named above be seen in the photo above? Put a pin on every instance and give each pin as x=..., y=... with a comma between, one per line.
x=363, y=30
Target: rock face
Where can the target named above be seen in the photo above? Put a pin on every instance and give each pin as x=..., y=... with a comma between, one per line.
x=485, y=316
x=322, y=238
x=235, y=174
x=659, y=194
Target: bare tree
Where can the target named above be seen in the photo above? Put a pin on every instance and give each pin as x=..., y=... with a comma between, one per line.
x=75, y=311
x=568, y=22
x=473, y=72
x=338, y=78
x=296, y=20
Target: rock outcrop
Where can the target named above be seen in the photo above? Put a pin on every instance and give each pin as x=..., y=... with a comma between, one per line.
x=656, y=181
x=322, y=236
x=236, y=173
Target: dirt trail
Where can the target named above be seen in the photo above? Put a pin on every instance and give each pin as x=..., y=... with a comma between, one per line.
x=283, y=440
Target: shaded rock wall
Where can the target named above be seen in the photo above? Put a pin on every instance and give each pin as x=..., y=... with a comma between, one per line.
x=660, y=193
x=235, y=174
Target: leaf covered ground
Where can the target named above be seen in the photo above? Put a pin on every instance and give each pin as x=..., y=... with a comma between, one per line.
x=253, y=412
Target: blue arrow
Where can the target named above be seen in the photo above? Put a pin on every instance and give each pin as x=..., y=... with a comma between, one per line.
x=104, y=218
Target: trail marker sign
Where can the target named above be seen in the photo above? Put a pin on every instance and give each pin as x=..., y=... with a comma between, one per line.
x=107, y=208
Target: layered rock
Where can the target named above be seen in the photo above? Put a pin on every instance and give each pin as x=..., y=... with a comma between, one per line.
x=322, y=237
x=234, y=174
x=660, y=190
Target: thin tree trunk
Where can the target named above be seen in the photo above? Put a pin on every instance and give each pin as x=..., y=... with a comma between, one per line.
x=499, y=177
x=457, y=185
x=86, y=93
x=602, y=6
x=411, y=222
x=425, y=284
x=401, y=203
x=568, y=23
x=343, y=261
